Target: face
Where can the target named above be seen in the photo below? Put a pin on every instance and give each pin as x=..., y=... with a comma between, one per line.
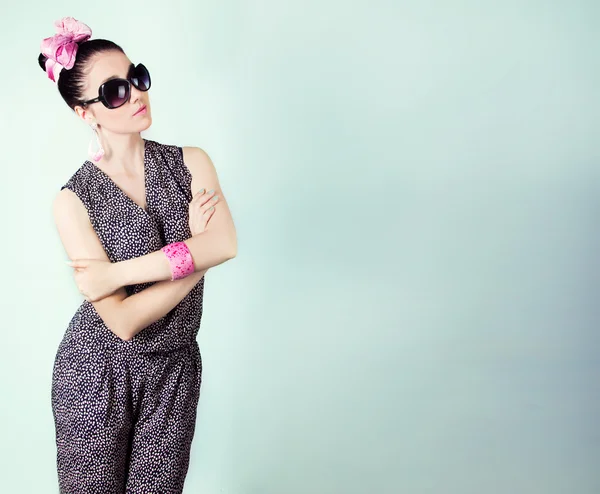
x=119, y=120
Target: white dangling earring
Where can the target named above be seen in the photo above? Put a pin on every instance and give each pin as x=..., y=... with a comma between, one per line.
x=95, y=155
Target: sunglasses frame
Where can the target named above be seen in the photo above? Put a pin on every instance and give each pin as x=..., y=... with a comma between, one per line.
x=128, y=82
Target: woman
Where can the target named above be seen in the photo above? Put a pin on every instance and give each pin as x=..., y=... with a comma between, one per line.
x=127, y=373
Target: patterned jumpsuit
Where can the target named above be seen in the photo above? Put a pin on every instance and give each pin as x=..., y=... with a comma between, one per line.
x=125, y=411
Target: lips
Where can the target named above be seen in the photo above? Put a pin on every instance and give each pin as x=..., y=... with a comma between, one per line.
x=142, y=108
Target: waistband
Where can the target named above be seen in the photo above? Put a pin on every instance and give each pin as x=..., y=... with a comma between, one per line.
x=123, y=348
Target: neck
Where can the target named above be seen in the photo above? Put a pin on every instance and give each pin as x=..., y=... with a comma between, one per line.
x=123, y=153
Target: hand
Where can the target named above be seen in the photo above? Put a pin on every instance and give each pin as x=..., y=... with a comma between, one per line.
x=95, y=278
x=200, y=211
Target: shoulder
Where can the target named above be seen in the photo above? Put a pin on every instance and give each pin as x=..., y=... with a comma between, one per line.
x=198, y=162
x=76, y=190
x=72, y=222
x=69, y=195
x=190, y=162
x=67, y=206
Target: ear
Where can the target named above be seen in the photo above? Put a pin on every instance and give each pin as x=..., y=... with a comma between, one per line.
x=81, y=113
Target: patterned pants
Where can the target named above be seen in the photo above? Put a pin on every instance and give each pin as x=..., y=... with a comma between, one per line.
x=124, y=422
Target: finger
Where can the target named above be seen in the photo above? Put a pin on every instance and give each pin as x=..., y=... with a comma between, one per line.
x=204, y=198
x=209, y=212
x=201, y=195
x=209, y=204
x=203, y=206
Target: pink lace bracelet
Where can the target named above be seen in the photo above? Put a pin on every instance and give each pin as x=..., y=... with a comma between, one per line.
x=180, y=259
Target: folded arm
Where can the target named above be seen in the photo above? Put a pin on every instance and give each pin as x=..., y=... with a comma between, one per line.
x=210, y=248
x=124, y=316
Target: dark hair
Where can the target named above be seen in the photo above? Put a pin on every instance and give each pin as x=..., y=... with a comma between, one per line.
x=71, y=82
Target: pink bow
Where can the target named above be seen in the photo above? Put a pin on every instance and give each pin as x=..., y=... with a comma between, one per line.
x=61, y=48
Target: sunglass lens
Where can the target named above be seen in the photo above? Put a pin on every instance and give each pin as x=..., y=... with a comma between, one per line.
x=116, y=92
x=141, y=78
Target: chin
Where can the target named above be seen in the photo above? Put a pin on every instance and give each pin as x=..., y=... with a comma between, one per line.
x=146, y=124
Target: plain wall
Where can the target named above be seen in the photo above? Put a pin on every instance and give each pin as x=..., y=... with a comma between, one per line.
x=415, y=185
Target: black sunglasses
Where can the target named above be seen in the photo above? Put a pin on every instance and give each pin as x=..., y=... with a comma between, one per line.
x=116, y=92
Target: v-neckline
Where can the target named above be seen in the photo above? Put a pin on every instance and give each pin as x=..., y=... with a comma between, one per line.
x=121, y=191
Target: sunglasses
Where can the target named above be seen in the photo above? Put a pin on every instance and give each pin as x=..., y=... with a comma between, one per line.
x=116, y=92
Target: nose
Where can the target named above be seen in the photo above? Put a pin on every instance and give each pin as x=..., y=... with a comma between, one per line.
x=135, y=94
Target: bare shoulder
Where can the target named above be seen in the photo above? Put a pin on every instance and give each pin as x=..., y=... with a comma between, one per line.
x=201, y=168
x=67, y=206
x=73, y=224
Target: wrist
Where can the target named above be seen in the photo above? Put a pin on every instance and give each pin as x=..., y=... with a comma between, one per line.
x=120, y=273
x=179, y=257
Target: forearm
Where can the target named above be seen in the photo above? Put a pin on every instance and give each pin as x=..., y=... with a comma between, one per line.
x=208, y=249
x=140, y=310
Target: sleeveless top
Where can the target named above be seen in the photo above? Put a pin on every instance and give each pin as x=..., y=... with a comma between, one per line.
x=127, y=231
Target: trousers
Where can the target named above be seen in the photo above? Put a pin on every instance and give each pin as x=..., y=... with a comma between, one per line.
x=124, y=421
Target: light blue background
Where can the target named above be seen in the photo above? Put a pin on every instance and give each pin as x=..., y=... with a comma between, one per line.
x=414, y=307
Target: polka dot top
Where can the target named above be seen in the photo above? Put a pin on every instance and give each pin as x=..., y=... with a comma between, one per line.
x=127, y=231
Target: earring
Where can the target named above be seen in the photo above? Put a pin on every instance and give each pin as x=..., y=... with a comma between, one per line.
x=95, y=155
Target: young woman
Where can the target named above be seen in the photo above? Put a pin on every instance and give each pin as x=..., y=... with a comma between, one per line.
x=139, y=222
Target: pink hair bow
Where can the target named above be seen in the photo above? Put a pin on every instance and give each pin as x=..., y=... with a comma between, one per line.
x=61, y=48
